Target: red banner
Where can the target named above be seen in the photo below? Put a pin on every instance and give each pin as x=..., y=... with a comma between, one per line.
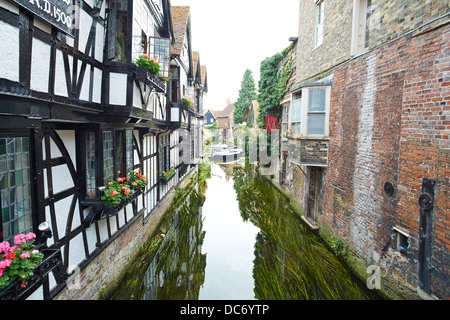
x=271, y=123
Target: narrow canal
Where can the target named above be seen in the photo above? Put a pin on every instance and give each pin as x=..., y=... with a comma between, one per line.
x=231, y=235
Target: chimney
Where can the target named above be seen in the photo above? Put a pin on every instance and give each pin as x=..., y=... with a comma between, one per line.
x=228, y=101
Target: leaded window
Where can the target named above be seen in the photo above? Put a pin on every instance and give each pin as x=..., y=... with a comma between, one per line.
x=108, y=156
x=91, y=162
x=15, y=187
x=159, y=48
x=164, y=153
x=129, y=150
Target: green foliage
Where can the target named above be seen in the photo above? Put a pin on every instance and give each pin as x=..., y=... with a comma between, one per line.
x=115, y=193
x=168, y=173
x=211, y=126
x=339, y=248
x=149, y=63
x=18, y=262
x=273, y=84
x=247, y=93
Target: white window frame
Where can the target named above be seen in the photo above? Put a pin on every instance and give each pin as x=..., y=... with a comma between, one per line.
x=286, y=118
x=359, y=25
x=320, y=17
x=305, y=110
x=296, y=98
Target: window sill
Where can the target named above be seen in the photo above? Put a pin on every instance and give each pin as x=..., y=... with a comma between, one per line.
x=318, y=46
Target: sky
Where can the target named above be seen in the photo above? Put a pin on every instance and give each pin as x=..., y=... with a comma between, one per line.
x=234, y=35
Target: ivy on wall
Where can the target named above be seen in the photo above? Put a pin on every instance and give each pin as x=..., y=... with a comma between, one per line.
x=274, y=84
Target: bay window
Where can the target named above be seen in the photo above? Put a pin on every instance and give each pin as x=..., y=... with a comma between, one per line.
x=316, y=112
x=296, y=117
x=159, y=48
x=310, y=111
x=117, y=153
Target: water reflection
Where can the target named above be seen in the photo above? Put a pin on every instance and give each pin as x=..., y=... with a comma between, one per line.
x=229, y=242
x=231, y=235
x=171, y=266
x=291, y=262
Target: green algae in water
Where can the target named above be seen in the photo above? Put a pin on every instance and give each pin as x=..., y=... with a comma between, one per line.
x=291, y=262
x=171, y=266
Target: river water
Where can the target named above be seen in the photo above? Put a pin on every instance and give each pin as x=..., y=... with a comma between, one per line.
x=230, y=234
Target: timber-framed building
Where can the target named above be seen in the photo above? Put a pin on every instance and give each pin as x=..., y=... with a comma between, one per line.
x=77, y=112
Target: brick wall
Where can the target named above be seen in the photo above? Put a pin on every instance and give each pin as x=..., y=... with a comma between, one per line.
x=389, y=123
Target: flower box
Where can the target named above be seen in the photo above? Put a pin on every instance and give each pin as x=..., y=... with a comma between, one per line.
x=16, y=290
x=146, y=76
x=165, y=177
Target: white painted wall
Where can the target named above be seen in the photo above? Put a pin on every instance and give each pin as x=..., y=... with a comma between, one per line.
x=9, y=51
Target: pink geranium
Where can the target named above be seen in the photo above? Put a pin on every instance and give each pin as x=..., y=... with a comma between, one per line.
x=17, y=262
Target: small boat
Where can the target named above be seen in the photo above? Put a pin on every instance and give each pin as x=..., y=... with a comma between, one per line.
x=224, y=153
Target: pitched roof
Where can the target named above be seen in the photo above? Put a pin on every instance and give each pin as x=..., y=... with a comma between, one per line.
x=216, y=113
x=180, y=19
x=204, y=79
x=227, y=111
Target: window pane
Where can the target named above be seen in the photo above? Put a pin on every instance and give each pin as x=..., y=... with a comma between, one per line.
x=316, y=123
x=296, y=110
x=90, y=165
x=296, y=128
x=160, y=50
x=15, y=187
x=316, y=100
x=118, y=157
x=129, y=149
x=108, y=165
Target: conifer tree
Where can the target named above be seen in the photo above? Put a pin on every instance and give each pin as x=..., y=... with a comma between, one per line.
x=247, y=93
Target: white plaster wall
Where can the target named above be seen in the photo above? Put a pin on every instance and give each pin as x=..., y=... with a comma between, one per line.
x=9, y=52
x=40, y=65
x=9, y=6
x=85, y=28
x=117, y=88
x=97, y=90
x=60, y=76
x=99, y=40
x=84, y=94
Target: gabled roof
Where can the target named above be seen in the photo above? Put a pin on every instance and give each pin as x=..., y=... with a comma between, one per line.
x=180, y=21
x=196, y=66
x=204, y=78
x=228, y=111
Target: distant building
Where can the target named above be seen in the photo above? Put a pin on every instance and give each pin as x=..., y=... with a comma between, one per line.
x=210, y=117
x=225, y=123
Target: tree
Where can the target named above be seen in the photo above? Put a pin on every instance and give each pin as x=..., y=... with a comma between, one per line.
x=247, y=93
x=273, y=84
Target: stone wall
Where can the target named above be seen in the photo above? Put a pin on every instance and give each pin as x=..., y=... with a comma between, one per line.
x=387, y=21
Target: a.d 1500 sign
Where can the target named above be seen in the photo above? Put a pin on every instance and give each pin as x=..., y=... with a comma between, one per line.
x=59, y=13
